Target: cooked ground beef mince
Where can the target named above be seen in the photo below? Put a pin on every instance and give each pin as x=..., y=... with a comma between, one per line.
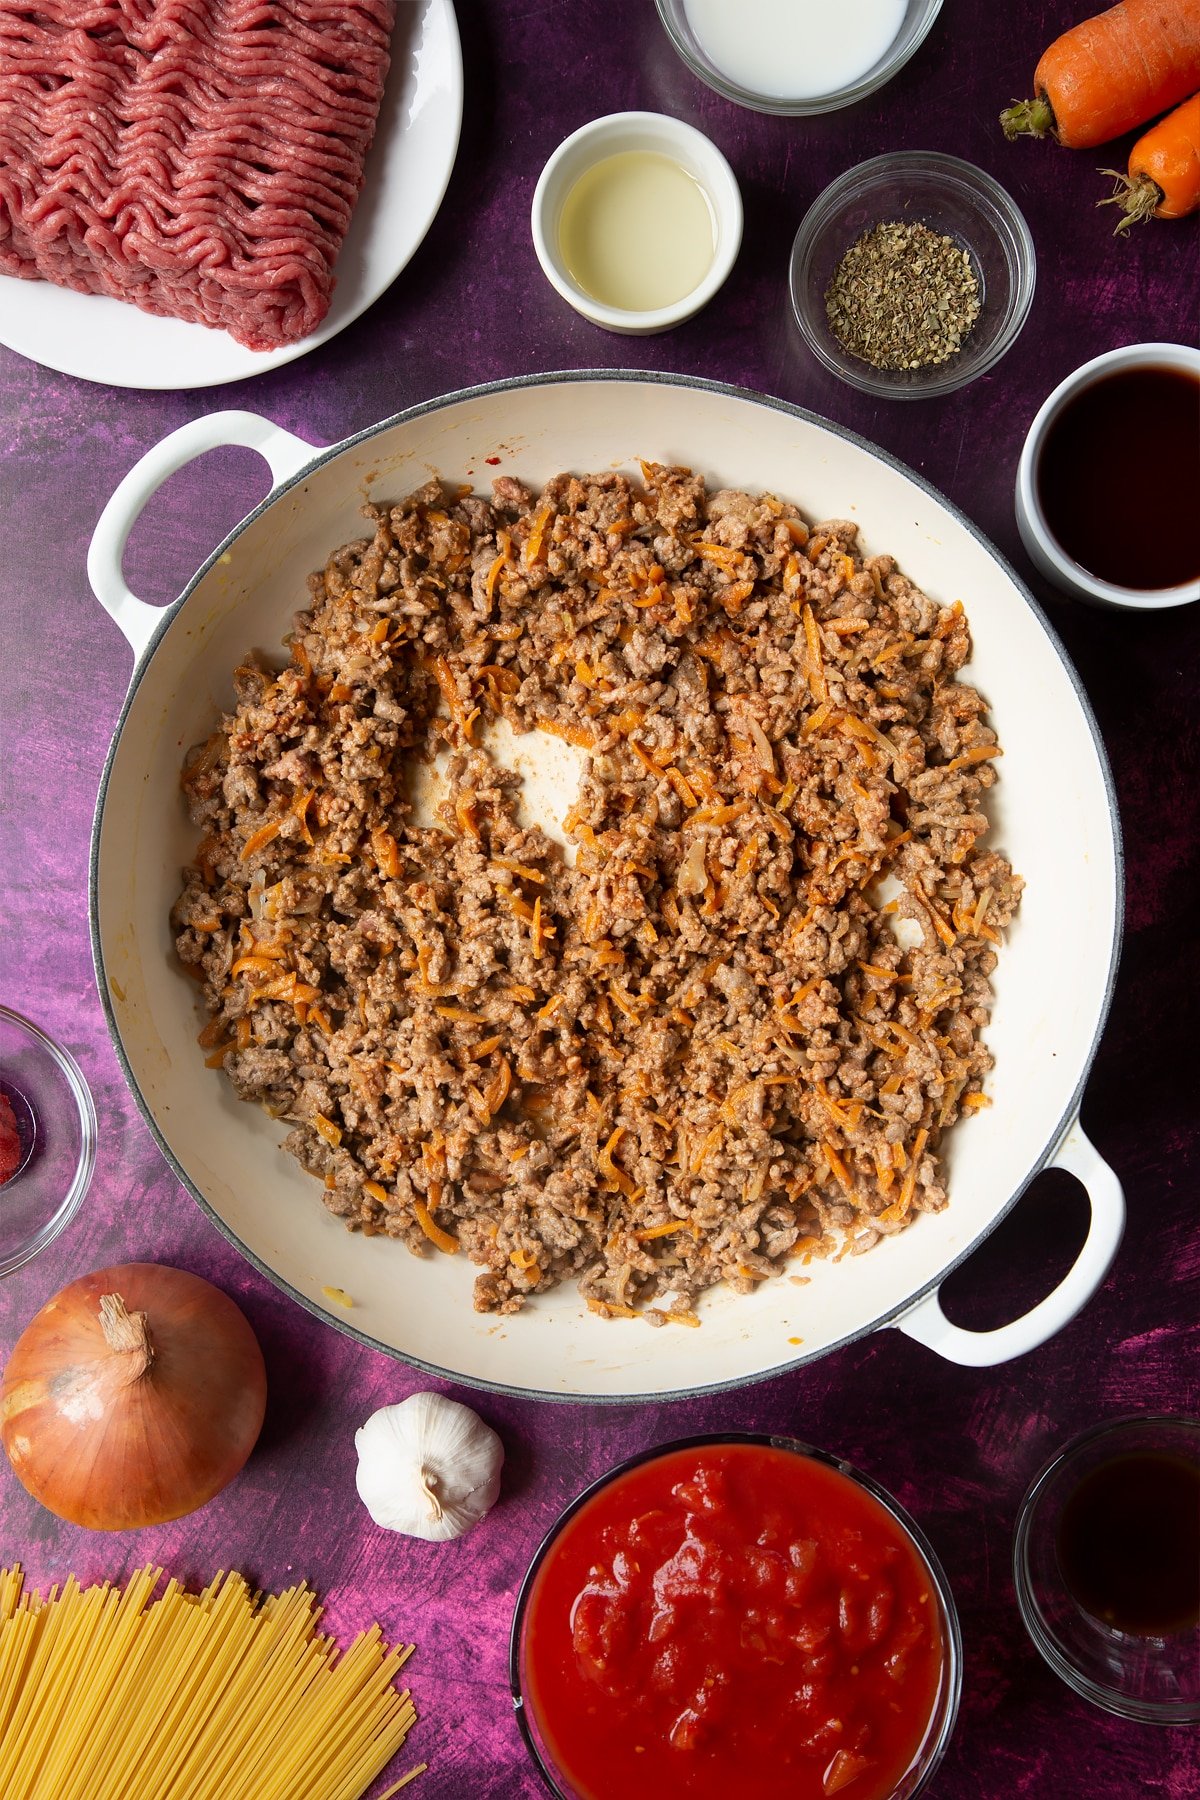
x=701, y=1049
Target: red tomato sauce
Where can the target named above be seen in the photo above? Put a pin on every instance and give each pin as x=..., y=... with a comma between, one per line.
x=10, y=1141
x=732, y=1619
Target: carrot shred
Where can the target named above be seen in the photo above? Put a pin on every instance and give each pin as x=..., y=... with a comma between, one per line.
x=610, y=1169
x=442, y=1240
x=610, y=1309
x=535, y=542
x=816, y=663
x=516, y=868
x=386, y=852
x=258, y=840
x=256, y=963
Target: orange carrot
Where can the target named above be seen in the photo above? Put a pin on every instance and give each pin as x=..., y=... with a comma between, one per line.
x=1112, y=72
x=1163, y=181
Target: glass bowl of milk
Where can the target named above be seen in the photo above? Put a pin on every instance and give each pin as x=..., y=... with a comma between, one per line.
x=637, y=220
x=796, y=56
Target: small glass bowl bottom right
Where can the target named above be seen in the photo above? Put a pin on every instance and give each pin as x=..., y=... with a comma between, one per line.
x=1094, y=1504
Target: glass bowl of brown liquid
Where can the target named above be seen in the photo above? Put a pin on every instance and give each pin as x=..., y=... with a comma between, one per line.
x=1106, y=1563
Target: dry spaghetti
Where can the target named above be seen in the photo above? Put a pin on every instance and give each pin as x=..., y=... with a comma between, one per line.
x=113, y=1694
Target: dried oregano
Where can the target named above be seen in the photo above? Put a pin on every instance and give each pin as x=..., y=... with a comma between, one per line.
x=902, y=297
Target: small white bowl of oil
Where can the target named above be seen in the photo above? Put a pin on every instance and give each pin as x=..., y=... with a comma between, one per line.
x=637, y=220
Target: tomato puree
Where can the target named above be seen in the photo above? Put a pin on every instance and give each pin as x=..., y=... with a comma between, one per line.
x=10, y=1141
x=731, y=1618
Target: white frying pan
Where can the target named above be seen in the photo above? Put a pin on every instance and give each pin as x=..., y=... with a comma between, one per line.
x=1053, y=810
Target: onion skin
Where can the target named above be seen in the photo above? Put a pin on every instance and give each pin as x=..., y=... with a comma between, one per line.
x=113, y=1439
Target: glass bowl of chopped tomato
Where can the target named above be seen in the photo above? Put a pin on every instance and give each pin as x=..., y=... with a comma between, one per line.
x=735, y=1614
x=47, y=1139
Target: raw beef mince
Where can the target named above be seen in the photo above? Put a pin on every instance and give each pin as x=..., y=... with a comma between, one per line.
x=736, y=1029
x=199, y=158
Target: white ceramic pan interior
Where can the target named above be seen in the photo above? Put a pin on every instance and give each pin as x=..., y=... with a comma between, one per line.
x=1053, y=815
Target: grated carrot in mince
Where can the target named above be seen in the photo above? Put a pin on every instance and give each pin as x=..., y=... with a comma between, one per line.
x=329, y=1131
x=708, y=1148
x=386, y=852
x=667, y=1229
x=258, y=840
x=815, y=661
x=720, y=556
x=535, y=543
x=516, y=868
x=838, y=1168
x=299, y=811
x=256, y=963
x=610, y=1169
x=441, y=1240
x=610, y=1309
x=499, y=1088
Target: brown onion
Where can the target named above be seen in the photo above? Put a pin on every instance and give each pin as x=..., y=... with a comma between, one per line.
x=132, y=1397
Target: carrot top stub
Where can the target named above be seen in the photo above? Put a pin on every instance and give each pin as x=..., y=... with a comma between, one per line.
x=1112, y=72
x=1163, y=179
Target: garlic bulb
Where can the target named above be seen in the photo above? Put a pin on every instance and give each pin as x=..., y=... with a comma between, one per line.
x=428, y=1467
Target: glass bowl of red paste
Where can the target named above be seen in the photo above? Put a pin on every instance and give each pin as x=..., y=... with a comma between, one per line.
x=47, y=1139
x=735, y=1615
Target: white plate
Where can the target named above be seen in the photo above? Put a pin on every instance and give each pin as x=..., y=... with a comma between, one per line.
x=407, y=171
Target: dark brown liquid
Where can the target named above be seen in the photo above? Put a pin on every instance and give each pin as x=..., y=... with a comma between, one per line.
x=1129, y=1543
x=1118, y=478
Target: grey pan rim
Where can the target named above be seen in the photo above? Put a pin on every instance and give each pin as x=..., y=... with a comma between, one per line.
x=617, y=377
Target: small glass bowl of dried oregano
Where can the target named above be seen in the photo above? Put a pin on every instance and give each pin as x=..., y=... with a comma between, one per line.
x=912, y=274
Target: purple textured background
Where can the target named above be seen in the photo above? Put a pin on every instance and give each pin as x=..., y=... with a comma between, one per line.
x=957, y=1446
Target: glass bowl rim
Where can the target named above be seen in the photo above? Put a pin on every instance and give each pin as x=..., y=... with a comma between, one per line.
x=85, y=1105
x=951, y=1630
x=878, y=76
x=1002, y=216
x=1111, y=1700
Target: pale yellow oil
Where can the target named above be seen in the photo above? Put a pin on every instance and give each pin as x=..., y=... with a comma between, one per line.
x=637, y=231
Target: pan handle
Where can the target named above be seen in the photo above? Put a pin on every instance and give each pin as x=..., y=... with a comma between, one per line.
x=284, y=454
x=928, y=1324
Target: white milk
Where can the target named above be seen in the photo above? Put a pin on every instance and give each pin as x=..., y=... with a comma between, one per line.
x=795, y=49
